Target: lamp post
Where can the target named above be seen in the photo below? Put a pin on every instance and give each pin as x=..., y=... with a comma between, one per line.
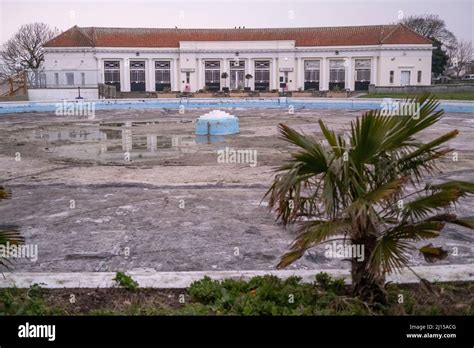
x=79, y=93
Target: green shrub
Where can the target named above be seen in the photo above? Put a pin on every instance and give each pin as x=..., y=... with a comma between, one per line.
x=326, y=283
x=14, y=301
x=125, y=281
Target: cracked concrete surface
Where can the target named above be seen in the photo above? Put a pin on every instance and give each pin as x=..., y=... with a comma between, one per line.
x=172, y=207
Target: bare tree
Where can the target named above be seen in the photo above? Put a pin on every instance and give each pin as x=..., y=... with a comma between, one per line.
x=431, y=27
x=460, y=56
x=24, y=51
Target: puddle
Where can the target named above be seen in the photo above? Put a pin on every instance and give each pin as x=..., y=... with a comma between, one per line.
x=80, y=135
x=116, y=141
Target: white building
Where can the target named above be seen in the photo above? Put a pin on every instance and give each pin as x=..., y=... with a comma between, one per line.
x=194, y=59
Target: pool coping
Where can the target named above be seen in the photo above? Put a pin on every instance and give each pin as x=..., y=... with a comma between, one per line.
x=269, y=103
x=181, y=280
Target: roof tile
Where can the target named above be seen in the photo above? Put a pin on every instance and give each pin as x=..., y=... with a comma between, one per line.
x=166, y=37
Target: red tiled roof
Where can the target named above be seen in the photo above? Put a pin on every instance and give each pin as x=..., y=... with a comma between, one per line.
x=153, y=37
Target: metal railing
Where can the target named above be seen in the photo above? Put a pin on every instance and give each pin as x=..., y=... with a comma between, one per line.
x=62, y=78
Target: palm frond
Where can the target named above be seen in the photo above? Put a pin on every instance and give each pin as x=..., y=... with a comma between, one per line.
x=416, y=231
x=381, y=193
x=310, y=234
x=5, y=193
x=432, y=253
x=462, y=186
x=9, y=236
x=389, y=255
x=465, y=222
x=331, y=139
x=423, y=206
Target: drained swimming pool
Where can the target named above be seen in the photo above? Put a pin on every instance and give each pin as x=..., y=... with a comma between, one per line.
x=195, y=103
x=141, y=180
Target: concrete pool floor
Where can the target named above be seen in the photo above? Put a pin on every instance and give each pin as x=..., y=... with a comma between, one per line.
x=172, y=207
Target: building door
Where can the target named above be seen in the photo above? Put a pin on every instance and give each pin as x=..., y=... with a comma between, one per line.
x=237, y=72
x=112, y=74
x=162, y=75
x=212, y=75
x=262, y=75
x=405, y=77
x=137, y=76
x=284, y=81
x=311, y=75
x=337, y=75
x=237, y=79
x=362, y=74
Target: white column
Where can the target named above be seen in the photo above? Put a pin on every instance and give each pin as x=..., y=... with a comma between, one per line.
x=125, y=75
x=300, y=74
x=173, y=74
x=275, y=81
x=296, y=71
x=100, y=70
x=225, y=68
x=150, y=75
x=177, y=75
x=198, y=74
x=324, y=75
x=248, y=70
x=374, y=71
x=203, y=73
x=349, y=84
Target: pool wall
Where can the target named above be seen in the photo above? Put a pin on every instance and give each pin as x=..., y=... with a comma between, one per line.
x=195, y=103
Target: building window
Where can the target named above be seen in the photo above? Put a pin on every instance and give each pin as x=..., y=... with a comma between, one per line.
x=362, y=74
x=262, y=75
x=137, y=76
x=42, y=78
x=418, y=78
x=392, y=74
x=162, y=75
x=112, y=73
x=337, y=74
x=311, y=74
x=70, y=79
x=83, y=78
x=56, y=79
x=188, y=77
x=212, y=75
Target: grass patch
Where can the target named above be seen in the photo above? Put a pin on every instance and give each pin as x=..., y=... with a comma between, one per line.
x=267, y=295
x=440, y=95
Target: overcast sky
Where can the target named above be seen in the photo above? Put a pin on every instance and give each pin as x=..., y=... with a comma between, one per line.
x=458, y=14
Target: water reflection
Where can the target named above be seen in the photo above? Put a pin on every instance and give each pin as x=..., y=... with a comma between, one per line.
x=71, y=135
x=113, y=139
x=209, y=139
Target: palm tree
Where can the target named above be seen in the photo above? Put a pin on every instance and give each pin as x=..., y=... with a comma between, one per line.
x=9, y=235
x=368, y=188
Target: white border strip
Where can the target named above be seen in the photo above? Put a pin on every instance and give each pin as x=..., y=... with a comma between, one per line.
x=179, y=280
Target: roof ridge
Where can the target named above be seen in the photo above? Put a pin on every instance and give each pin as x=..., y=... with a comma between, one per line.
x=395, y=28
x=414, y=32
x=399, y=26
x=263, y=28
x=86, y=35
